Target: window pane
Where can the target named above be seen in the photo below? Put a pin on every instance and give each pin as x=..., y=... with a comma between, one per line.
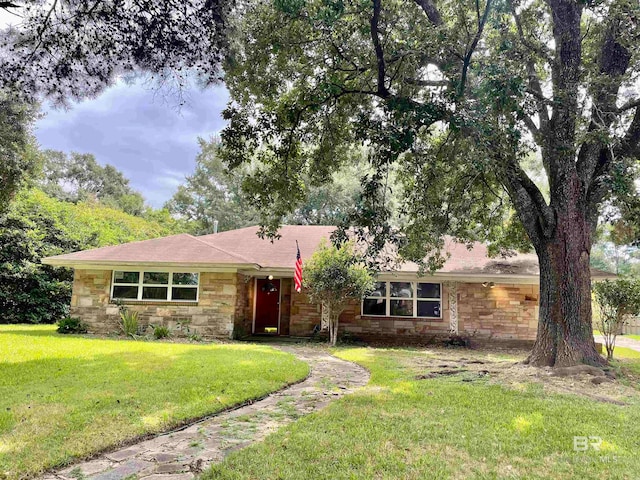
x=161, y=278
x=428, y=290
x=185, y=279
x=374, y=306
x=125, y=292
x=401, y=289
x=126, y=277
x=427, y=308
x=402, y=308
x=154, y=293
x=380, y=290
x=183, y=293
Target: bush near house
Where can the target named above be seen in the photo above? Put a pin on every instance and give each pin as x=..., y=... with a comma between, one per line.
x=616, y=299
x=333, y=276
x=72, y=325
x=37, y=226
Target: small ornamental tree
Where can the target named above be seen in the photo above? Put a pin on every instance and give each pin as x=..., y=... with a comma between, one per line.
x=333, y=276
x=615, y=299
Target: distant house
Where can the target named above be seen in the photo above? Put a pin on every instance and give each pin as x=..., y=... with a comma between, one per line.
x=235, y=281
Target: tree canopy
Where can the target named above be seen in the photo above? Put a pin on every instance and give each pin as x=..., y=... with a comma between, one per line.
x=73, y=50
x=18, y=151
x=77, y=177
x=36, y=226
x=213, y=193
x=452, y=96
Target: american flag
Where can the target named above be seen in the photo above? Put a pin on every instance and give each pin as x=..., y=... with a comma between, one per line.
x=297, y=276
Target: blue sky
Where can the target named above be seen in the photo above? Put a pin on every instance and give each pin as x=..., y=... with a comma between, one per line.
x=140, y=131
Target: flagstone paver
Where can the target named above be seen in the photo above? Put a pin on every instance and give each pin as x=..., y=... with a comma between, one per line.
x=183, y=454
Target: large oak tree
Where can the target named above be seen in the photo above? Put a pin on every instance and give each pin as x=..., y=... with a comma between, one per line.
x=453, y=96
x=74, y=49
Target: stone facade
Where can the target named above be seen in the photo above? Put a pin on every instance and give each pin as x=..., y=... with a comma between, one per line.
x=505, y=312
x=223, y=299
x=226, y=304
x=244, y=305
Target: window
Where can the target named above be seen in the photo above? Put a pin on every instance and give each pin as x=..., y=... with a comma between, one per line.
x=155, y=286
x=404, y=299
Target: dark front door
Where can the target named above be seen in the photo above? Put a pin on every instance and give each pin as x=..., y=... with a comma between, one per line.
x=267, y=306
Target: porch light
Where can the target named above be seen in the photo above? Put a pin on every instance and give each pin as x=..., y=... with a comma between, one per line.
x=488, y=284
x=269, y=287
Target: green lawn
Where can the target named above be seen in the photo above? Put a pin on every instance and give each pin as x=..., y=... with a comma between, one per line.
x=631, y=336
x=63, y=397
x=401, y=427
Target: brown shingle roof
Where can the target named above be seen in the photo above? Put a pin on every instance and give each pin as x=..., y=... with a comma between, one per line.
x=244, y=247
x=280, y=253
x=175, y=249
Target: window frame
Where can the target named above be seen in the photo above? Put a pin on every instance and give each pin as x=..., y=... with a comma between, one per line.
x=140, y=285
x=414, y=291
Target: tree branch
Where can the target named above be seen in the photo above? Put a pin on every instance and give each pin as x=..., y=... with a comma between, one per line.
x=594, y=155
x=429, y=8
x=630, y=145
x=537, y=217
x=474, y=43
x=375, y=19
x=535, y=88
x=427, y=83
x=629, y=105
x=535, y=131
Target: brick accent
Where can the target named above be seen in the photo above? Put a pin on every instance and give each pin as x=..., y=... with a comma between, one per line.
x=222, y=297
x=503, y=312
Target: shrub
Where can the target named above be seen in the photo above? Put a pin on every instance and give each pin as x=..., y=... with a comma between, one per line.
x=129, y=324
x=616, y=300
x=160, y=331
x=333, y=276
x=72, y=325
x=195, y=337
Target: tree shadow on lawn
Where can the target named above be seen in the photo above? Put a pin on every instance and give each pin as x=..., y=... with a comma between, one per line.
x=57, y=409
x=29, y=330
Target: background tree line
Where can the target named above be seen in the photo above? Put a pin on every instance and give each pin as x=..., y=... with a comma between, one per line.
x=57, y=202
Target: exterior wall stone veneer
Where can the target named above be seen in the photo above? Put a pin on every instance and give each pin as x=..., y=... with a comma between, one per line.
x=225, y=304
x=223, y=300
x=305, y=315
x=505, y=312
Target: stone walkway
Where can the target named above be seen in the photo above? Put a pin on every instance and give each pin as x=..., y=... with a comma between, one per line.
x=621, y=341
x=183, y=454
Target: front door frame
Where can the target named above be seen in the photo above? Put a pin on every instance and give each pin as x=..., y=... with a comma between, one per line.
x=255, y=304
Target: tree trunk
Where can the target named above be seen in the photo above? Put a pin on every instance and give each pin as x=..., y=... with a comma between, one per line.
x=334, y=330
x=565, y=331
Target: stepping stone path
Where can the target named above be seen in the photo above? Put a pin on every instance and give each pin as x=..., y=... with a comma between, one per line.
x=183, y=454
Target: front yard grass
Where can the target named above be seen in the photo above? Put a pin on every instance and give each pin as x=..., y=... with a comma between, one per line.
x=456, y=426
x=65, y=397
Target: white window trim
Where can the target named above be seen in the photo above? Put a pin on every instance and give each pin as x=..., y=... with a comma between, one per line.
x=388, y=298
x=170, y=286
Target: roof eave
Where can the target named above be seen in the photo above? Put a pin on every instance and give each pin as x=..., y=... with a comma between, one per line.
x=98, y=264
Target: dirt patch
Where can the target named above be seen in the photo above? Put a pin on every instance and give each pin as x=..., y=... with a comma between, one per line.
x=504, y=367
x=439, y=373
